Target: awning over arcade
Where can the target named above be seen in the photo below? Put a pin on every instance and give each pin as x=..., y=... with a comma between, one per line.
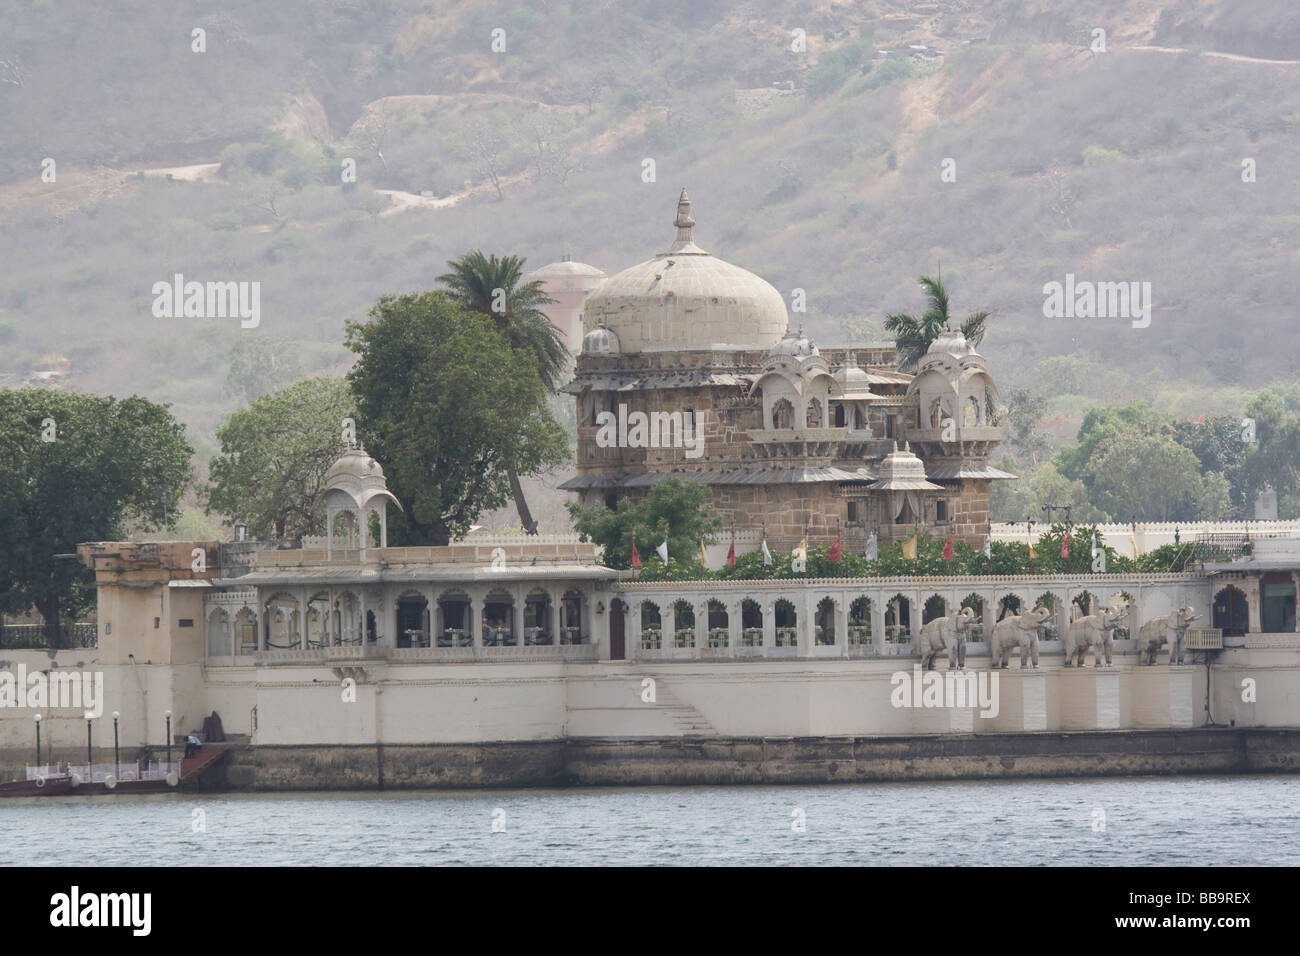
x=730, y=476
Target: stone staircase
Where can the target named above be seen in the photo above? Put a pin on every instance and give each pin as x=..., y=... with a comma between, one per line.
x=683, y=716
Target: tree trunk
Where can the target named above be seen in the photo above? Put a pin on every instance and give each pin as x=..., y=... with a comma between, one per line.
x=50, y=613
x=517, y=492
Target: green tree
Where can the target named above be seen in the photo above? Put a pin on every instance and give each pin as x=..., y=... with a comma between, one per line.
x=674, y=509
x=1078, y=558
x=913, y=336
x=929, y=559
x=1062, y=375
x=274, y=456
x=1167, y=557
x=1150, y=477
x=494, y=287
x=1017, y=500
x=1274, y=458
x=1099, y=425
x=450, y=409
x=1025, y=411
x=1217, y=444
x=110, y=463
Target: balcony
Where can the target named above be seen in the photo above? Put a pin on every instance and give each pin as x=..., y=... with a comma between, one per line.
x=331, y=656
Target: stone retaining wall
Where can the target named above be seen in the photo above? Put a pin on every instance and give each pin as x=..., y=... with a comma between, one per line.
x=594, y=761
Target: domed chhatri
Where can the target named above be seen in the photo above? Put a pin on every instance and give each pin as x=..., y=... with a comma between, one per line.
x=687, y=298
x=851, y=379
x=355, y=486
x=600, y=341
x=953, y=383
x=354, y=463
x=796, y=344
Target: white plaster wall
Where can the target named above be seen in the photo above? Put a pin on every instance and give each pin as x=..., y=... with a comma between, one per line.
x=421, y=703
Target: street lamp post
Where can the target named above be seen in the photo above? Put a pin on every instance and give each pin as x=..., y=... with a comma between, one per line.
x=117, y=760
x=89, y=759
x=1052, y=509
x=37, y=718
x=168, y=715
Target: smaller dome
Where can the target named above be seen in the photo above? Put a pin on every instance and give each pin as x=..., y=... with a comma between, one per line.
x=850, y=376
x=902, y=471
x=567, y=267
x=951, y=342
x=354, y=463
x=600, y=341
x=796, y=344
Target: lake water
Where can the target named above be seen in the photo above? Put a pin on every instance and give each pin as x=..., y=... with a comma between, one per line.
x=1191, y=821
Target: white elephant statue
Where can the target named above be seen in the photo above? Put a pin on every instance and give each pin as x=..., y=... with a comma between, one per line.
x=1020, y=630
x=1170, y=629
x=1096, y=631
x=945, y=633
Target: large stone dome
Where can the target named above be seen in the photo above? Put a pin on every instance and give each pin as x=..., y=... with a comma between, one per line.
x=687, y=298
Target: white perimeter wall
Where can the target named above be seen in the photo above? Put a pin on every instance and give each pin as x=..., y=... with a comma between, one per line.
x=424, y=703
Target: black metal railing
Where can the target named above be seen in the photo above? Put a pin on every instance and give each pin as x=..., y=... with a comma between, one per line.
x=1221, y=547
x=31, y=636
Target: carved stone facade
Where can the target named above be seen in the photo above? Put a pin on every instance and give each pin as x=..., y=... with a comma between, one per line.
x=790, y=439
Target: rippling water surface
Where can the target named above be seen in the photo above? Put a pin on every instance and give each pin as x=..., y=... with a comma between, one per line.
x=1197, y=821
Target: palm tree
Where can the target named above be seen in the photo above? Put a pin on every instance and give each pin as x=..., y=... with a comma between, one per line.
x=913, y=336
x=494, y=287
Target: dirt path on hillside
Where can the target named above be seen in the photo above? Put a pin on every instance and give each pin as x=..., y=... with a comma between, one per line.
x=1221, y=56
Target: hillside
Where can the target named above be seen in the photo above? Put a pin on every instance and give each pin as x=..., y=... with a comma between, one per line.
x=1115, y=166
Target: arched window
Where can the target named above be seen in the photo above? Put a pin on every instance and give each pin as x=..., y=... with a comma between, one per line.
x=1230, y=612
x=860, y=621
x=219, y=636
x=936, y=414
x=824, y=622
x=684, y=622
x=814, y=416
x=782, y=413
x=651, y=627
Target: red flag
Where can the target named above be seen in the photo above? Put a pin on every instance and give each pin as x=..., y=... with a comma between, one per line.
x=1065, y=545
x=947, y=549
x=731, y=553
x=834, y=553
x=636, y=558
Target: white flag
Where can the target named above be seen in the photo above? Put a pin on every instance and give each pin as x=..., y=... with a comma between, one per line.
x=767, y=555
x=988, y=546
x=873, y=548
x=663, y=551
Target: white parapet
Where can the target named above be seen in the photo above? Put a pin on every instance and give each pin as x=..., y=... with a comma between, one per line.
x=1033, y=699
x=1107, y=696
x=1183, y=703
x=1165, y=696
x=962, y=720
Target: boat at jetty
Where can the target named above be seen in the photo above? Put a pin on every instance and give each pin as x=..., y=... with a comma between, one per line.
x=159, y=778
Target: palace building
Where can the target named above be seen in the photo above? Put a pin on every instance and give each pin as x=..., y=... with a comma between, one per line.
x=798, y=441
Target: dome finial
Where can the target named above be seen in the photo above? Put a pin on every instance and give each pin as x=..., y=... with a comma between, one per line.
x=684, y=223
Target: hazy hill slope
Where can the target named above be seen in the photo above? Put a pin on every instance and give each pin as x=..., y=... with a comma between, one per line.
x=1117, y=166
